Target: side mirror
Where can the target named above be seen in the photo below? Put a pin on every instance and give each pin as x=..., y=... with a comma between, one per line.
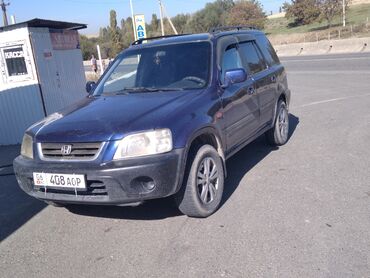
x=234, y=76
x=90, y=86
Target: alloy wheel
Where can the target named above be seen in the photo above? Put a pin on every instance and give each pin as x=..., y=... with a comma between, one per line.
x=207, y=180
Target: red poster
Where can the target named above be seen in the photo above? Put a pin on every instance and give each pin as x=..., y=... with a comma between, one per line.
x=64, y=39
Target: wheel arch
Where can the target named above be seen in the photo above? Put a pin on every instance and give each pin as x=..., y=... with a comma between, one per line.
x=203, y=136
x=282, y=96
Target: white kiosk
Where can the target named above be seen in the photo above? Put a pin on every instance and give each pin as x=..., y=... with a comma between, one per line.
x=41, y=72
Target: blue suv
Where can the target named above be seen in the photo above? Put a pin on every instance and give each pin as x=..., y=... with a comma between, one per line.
x=162, y=120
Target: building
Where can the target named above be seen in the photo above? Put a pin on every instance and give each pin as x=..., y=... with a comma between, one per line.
x=41, y=72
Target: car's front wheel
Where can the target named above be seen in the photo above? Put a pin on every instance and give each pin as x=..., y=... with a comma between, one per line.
x=203, y=186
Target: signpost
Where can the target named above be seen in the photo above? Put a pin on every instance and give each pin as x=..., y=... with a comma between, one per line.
x=140, y=26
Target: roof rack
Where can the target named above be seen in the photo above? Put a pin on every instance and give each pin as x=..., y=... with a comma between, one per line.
x=140, y=41
x=230, y=28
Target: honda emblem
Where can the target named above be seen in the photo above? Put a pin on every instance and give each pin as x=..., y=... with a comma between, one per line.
x=66, y=149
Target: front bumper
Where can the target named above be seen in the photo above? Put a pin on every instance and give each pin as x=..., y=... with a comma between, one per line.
x=114, y=183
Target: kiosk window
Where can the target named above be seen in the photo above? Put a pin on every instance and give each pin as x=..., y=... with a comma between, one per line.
x=15, y=62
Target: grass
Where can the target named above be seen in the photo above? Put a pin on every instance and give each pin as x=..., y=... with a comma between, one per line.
x=356, y=15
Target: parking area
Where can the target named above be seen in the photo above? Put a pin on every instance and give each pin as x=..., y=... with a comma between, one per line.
x=302, y=210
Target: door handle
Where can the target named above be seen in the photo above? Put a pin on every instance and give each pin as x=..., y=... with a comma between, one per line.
x=251, y=90
x=273, y=78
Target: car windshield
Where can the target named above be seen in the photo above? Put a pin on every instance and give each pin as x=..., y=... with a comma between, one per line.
x=161, y=68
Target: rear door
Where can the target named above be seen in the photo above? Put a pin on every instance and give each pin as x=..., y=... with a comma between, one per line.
x=265, y=80
x=268, y=101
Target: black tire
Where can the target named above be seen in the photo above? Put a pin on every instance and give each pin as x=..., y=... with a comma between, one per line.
x=202, y=190
x=55, y=204
x=279, y=134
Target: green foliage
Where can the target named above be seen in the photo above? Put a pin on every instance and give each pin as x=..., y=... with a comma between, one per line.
x=213, y=15
x=88, y=47
x=180, y=21
x=115, y=35
x=356, y=15
x=246, y=13
x=113, y=38
x=331, y=8
x=302, y=11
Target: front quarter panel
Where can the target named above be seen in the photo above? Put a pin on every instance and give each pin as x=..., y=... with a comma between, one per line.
x=204, y=112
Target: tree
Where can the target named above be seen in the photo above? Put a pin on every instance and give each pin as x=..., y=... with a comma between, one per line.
x=302, y=11
x=115, y=36
x=247, y=13
x=180, y=21
x=331, y=8
x=87, y=47
x=153, y=29
x=127, y=33
x=213, y=15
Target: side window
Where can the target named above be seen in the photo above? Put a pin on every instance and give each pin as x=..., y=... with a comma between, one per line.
x=252, y=57
x=230, y=60
x=267, y=50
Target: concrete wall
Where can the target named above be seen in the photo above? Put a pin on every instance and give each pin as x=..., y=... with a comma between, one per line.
x=353, y=45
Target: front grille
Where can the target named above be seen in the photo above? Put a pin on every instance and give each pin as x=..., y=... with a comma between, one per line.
x=94, y=188
x=73, y=151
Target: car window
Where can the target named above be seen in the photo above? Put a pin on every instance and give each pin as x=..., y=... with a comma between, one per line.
x=267, y=50
x=230, y=60
x=164, y=67
x=123, y=75
x=252, y=57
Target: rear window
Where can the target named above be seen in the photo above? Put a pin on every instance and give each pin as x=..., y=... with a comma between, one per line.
x=253, y=59
x=267, y=50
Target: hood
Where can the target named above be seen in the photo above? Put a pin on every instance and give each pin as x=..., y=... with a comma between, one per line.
x=105, y=118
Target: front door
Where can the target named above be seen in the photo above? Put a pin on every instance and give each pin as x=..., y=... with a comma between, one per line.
x=240, y=102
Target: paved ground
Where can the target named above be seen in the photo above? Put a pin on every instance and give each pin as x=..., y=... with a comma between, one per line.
x=300, y=211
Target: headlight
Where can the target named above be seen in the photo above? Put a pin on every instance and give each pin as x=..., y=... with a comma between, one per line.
x=27, y=148
x=144, y=143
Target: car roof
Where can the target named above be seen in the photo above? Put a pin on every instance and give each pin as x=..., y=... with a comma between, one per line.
x=183, y=38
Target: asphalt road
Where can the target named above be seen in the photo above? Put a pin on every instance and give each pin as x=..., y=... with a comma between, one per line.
x=302, y=210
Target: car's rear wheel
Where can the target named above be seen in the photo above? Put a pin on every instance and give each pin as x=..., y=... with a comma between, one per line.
x=203, y=186
x=278, y=135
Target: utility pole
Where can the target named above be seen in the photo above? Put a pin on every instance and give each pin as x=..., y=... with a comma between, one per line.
x=169, y=19
x=133, y=20
x=344, y=13
x=3, y=7
x=161, y=16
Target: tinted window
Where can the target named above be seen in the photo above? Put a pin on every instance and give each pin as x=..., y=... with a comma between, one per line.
x=230, y=60
x=267, y=50
x=252, y=57
x=172, y=67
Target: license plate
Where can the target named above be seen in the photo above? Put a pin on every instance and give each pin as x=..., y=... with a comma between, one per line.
x=59, y=180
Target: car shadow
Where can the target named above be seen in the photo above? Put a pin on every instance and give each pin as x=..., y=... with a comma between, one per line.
x=16, y=207
x=237, y=167
x=149, y=210
x=242, y=162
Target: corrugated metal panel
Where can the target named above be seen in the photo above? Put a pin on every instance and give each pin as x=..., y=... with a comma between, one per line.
x=19, y=108
x=61, y=76
x=20, y=101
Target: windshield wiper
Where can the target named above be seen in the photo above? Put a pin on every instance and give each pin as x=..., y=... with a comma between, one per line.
x=149, y=89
